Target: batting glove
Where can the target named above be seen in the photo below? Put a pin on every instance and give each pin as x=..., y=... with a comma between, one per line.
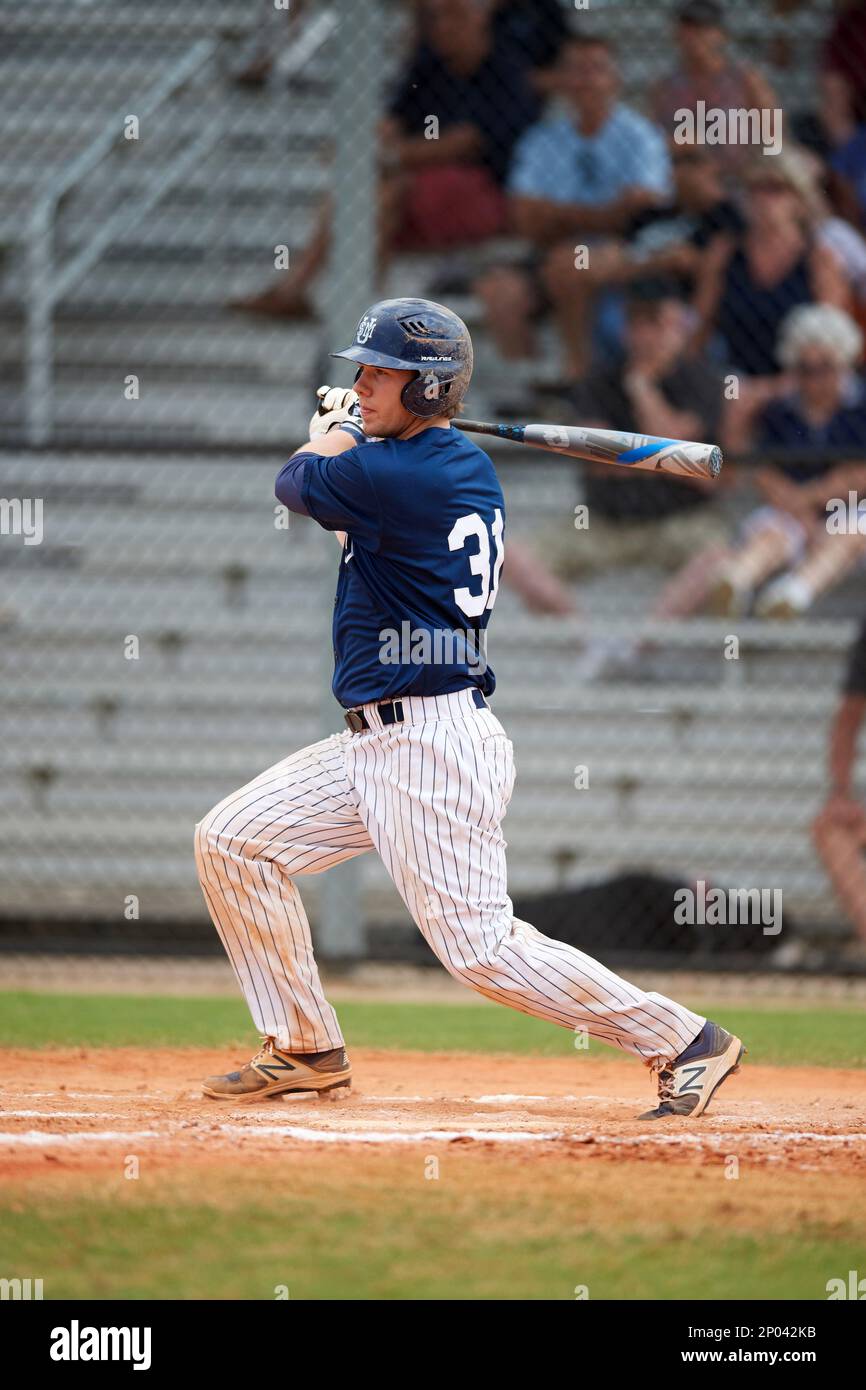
x=338, y=410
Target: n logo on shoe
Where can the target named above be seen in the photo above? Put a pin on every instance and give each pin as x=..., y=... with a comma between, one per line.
x=272, y=1069
x=691, y=1083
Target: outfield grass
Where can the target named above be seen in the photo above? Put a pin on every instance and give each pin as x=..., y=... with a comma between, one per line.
x=415, y=1241
x=782, y=1037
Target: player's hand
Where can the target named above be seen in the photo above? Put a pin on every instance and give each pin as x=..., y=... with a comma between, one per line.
x=337, y=408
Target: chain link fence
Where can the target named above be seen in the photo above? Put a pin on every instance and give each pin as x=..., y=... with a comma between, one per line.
x=652, y=219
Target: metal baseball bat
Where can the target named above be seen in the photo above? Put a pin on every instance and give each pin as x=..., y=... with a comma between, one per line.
x=611, y=446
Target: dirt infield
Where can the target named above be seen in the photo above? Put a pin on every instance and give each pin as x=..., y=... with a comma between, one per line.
x=113, y=1102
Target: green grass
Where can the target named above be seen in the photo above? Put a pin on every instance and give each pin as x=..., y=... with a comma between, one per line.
x=783, y=1037
x=371, y=1226
x=412, y=1244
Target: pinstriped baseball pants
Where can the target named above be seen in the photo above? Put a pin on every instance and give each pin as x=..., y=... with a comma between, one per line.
x=429, y=795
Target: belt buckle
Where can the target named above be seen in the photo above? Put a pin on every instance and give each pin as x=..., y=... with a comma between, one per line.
x=396, y=708
x=355, y=720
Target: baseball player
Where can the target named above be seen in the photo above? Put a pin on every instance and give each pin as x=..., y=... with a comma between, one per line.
x=424, y=772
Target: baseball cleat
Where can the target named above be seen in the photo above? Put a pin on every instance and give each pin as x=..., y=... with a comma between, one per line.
x=272, y=1072
x=688, y=1084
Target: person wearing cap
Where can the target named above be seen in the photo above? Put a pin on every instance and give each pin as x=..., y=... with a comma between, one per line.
x=423, y=771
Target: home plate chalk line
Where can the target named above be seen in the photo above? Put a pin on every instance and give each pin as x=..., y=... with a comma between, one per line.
x=61, y=1114
x=46, y=1138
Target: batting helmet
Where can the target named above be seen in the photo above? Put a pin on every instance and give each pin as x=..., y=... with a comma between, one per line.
x=417, y=335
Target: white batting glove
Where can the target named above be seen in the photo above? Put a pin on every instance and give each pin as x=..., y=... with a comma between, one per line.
x=337, y=410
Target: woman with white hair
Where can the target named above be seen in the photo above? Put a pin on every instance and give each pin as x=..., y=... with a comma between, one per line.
x=818, y=348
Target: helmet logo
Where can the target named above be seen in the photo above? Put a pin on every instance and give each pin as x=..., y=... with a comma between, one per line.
x=365, y=329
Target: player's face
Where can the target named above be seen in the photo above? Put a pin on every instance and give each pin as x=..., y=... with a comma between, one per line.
x=378, y=390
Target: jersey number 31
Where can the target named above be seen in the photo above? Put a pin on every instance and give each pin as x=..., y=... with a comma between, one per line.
x=473, y=527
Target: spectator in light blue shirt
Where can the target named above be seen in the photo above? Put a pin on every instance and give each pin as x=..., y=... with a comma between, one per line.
x=557, y=161
x=576, y=180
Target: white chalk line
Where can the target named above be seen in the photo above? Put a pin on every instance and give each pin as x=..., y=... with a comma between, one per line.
x=507, y=1099
x=390, y=1136
x=37, y=1138
x=93, y=1095
x=61, y=1114
x=357, y=1098
x=45, y=1138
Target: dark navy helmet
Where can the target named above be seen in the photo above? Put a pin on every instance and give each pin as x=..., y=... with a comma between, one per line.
x=417, y=335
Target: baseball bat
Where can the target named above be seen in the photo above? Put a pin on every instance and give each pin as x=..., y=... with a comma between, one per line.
x=611, y=446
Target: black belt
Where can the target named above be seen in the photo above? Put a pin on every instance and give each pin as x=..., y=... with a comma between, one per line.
x=391, y=712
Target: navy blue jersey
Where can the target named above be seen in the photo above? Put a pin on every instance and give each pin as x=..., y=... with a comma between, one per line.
x=783, y=424
x=424, y=521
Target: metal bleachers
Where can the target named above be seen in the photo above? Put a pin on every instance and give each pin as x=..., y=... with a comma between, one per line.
x=159, y=516
x=155, y=302
x=709, y=768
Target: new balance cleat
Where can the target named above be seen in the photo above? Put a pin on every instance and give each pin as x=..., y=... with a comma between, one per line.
x=273, y=1072
x=688, y=1084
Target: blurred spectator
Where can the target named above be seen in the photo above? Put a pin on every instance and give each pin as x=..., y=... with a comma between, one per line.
x=845, y=51
x=671, y=240
x=659, y=388
x=442, y=189
x=476, y=83
x=747, y=284
x=575, y=179
x=708, y=73
x=839, y=830
x=845, y=144
x=832, y=233
x=537, y=29
x=845, y=248
x=825, y=409
x=832, y=133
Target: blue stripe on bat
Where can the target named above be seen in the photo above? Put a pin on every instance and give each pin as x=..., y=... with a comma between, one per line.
x=645, y=451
